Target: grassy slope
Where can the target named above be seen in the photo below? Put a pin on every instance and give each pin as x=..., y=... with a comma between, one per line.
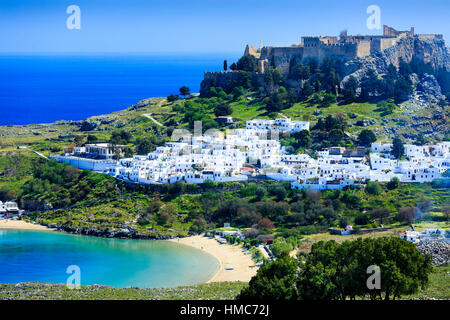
x=439, y=287
x=46, y=291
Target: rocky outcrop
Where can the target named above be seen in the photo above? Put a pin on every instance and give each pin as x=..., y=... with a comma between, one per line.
x=439, y=251
x=88, y=125
x=428, y=89
x=128, y=233
x=432, y=51
x=34, y=205
x=143, y=103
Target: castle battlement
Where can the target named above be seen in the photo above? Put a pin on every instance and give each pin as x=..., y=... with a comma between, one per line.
x=345, y=47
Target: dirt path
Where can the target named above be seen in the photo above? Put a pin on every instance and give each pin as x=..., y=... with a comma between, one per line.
x=149, y=115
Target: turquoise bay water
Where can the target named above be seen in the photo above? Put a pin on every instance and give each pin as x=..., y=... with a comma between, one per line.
x=45, y=256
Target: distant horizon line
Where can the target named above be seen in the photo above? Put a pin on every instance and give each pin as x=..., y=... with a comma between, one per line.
x=23, y=53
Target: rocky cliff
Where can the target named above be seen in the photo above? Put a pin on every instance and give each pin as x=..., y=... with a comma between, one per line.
x=430, y=51
x=422, y=112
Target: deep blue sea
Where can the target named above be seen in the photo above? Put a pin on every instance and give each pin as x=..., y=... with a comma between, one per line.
x=47, y=88
x=45, y=256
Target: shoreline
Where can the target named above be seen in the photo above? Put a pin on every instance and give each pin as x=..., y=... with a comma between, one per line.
x=233, y=264
x=228, y=256
x=22, y=225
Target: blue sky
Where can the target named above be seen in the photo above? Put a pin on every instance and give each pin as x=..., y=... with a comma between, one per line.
x=32, y=26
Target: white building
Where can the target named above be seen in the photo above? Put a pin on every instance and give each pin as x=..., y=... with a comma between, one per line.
x=427, y=235
x=100, y=150
x=282, y=125
x=9, y=207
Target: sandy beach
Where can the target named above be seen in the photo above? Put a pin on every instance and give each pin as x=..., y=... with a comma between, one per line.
x=234, y=265
x=229, y=256
x=20, y=224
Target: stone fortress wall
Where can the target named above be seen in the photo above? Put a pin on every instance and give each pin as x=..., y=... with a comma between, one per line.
x=345, y=47
x=352, y=49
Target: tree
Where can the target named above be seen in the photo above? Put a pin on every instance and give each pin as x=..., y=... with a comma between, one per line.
x=225, y=65
x=11, y=194
x=281, y=247
x=366, y=137
x=327, y=99
x=398, y=149
x=343, y=222
x=238, y=91
x=403, y=89
x=144, y=146
x=172, y=97
x=120, y=137
x=166, y=214
x=446, y=211
x=303, y=139
x=265, y=224
x=79, y=141
x=223, y=109
x=274, y=103
x=128, y=152
x=307, y=90
x=91, y=139
x=335, y=137
x=370, y=85
x=394, y=183
x=88, y=126
x=279, y=191
x=386, y=107
x=70, y=173
x=335, y=271
x=349, y=91
x=379, y=214
x=260, y=192
x=373, y=188
x=301, y=72
x=184, y=91
x=407, y=214
x=404, y=69
x=247, y=63
x=246, y=217
x=272, y=78
x=361, y=219
x=274, y=281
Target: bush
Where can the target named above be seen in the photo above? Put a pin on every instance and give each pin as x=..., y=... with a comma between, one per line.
x=172, y=97
x=281, y=247
x=366, y=137
x=373, y=188
x=265, y=224
x=393, y=183
x=223, y=109
x=362, y=219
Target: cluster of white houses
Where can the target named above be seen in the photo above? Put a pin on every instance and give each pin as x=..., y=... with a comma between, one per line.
x=9, y=208
x=255, y=150
x=427, y=235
